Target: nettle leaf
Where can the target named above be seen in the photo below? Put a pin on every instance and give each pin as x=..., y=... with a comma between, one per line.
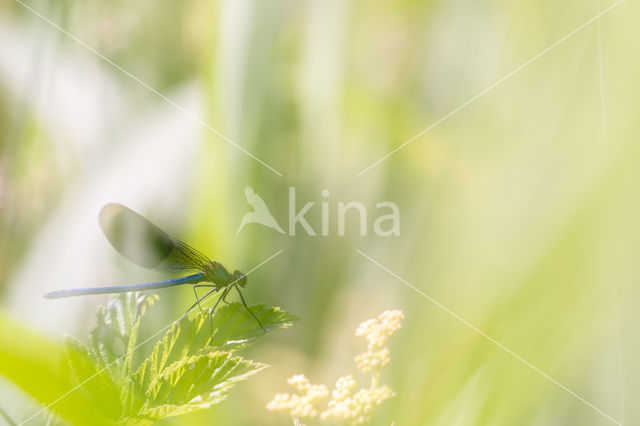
x=191, y=367
x=95, y=380
x=116, y=330
x=230, y=328
x=234, y=327
x=196, y=383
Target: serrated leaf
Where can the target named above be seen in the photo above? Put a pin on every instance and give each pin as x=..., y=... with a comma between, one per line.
x=230, y=328
x=192, y=367
x=114, y=335
x=196, y=383
x=116, y=331
x=185, y=337
x=105, y=393
x=234, y=327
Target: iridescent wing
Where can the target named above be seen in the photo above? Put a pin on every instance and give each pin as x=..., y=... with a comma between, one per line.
x=145, y=244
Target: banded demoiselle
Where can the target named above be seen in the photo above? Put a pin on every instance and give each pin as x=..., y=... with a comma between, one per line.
x=145, y=244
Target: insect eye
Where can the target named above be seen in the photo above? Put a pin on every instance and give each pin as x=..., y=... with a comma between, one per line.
x=240, y=278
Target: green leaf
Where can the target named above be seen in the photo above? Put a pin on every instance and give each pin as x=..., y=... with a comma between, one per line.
x=230, y=327
x=98, y=382
x=196, y=383
x=234, y=327
x=116, y=329
x=191, y=367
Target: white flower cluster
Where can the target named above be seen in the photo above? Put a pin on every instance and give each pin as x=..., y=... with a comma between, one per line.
x=303, y=405
x=377, y=331
x=345, y=406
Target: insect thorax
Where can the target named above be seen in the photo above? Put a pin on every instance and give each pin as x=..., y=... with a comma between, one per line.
x=218, y=274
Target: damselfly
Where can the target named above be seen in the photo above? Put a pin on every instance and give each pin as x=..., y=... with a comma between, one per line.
x=145, y=244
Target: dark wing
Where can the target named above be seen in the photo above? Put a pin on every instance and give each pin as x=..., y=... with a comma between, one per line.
x=145, y=244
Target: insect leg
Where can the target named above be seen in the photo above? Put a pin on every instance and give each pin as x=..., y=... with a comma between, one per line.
x=245, y=305
x=222, y=296
x=213, y=290
x=196, y=294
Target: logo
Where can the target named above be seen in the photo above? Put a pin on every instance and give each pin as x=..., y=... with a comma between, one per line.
x=384, y=225
x=260, y=213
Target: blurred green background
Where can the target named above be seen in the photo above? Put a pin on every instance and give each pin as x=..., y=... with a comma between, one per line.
x=519, y=212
